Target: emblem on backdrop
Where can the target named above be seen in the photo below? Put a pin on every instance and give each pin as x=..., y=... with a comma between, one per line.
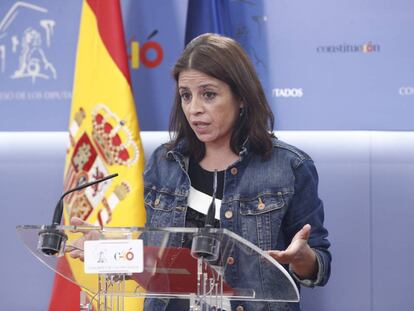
x=24, y=45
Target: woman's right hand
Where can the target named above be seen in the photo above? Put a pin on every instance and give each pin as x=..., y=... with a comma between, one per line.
x=75, y=250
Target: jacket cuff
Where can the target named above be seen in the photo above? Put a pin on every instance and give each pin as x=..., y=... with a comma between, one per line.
x=311, y=282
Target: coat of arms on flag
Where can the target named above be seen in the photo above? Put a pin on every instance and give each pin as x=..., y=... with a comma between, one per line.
x=110, y=143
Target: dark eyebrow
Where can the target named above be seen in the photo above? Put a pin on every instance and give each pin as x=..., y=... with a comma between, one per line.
x=208, y=85
x=201, y=86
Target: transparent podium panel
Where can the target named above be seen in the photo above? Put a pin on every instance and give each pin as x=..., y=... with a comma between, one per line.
x=207, y=266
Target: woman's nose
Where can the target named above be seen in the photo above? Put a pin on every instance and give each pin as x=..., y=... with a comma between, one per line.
x=196, y=106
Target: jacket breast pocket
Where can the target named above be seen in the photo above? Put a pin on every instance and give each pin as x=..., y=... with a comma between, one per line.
x=159, y=206
x=261, y=219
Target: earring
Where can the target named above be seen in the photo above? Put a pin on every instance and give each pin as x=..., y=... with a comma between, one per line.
x=241, y=112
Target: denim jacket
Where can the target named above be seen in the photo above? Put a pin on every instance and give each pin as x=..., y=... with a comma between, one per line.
x=287, y=184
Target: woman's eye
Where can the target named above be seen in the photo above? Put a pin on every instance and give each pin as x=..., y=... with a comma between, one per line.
x=185, y=97
x=209, y=95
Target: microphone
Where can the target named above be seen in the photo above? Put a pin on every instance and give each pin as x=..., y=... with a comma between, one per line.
x=52, y=240
x=205, y=244
x=57, y=215
x=211, y=212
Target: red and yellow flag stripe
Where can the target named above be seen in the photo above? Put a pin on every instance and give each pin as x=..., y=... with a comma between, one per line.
x=104, y=139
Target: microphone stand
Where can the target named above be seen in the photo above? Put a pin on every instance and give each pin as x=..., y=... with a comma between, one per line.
x=205, y=245
x=52, y=240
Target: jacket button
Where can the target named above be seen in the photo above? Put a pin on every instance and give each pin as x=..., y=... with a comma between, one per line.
x=239, y=308
x=157, y=201
x=233, y=171
x=230, y=260
x=228, y=214
x=261, y=206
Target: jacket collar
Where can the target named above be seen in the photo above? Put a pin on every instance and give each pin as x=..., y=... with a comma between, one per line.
x=178, y=151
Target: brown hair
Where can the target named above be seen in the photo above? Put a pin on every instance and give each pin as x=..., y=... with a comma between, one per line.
x=223, y=58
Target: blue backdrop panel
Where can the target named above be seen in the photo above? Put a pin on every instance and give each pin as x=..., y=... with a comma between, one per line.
x=343, y=164
x=37, y=56
x=365, y=180
x=31, y=181
x=392, y=221
x=327, y=66
x=157, y=28
x=347, y=64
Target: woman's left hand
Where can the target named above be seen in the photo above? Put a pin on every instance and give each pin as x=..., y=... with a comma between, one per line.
x=299, y=255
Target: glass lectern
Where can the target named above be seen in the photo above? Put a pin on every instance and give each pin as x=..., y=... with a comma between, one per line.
x=201, y=271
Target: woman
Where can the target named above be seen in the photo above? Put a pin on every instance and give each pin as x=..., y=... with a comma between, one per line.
x=268, y=189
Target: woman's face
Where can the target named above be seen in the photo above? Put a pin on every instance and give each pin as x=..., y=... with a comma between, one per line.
x=209, y=106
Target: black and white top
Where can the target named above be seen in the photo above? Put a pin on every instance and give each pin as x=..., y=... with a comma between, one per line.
x=201, y=194
x=199, y=200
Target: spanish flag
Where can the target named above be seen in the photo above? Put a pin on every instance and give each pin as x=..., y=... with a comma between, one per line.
x=104, y=139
